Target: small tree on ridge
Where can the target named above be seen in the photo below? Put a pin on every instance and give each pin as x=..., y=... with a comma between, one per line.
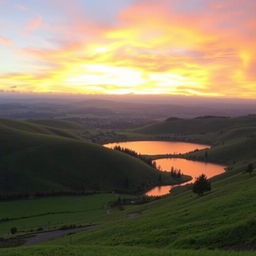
x=201, y=185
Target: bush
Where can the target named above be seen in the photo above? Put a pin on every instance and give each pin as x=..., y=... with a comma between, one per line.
x=201, y=185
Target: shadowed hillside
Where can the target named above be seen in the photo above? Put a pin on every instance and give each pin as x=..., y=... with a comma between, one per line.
x=32, y=159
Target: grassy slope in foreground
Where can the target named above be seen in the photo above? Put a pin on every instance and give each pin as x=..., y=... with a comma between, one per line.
x=34, y=162
x=53, y=212
x=69, y=250
x=224, y=218
x=181, y=224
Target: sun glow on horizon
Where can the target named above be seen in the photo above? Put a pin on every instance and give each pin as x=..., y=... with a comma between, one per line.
x=151, y=48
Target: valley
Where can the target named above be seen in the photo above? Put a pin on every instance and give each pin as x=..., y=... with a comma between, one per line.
x=157, y=226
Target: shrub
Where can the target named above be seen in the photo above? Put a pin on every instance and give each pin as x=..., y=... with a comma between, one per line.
x=201, y=185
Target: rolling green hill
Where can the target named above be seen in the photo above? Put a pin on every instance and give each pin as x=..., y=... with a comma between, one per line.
x=181, y=224
x=32, y=159
x=233, y=140
x=222, y=219
x=58, y=123
x=34, y=127
x=199, y=125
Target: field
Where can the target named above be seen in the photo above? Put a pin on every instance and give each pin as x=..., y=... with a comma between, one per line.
x=55, y=212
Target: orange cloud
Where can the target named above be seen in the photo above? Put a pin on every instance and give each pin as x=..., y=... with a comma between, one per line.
x=153, y=49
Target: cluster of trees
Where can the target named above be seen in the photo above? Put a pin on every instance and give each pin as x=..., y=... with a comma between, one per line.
x=175, y=173
x=135, y=154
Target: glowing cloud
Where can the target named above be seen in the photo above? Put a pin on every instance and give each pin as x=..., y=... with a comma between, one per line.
x=204, y=48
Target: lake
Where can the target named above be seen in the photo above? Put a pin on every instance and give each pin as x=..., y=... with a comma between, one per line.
x=191, y=168
x=158, y=147
x=188, y=167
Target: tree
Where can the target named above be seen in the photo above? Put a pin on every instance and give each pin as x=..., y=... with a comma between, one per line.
x=250, y=168
x=201, y=185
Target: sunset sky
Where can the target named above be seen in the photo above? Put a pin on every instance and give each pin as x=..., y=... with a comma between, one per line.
x=181, y=47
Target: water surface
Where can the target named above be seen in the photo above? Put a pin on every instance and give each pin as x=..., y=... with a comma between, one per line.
x=188, y=167
x=158, y=147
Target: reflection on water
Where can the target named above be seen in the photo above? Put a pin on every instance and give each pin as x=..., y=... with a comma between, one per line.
x=191, y=168
x=188, y=167
x=158, y=147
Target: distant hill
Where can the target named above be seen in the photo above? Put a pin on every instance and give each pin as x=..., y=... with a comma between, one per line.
x=199, y=125
x=58, y=123
x=233, y=139
x=34, y=159
x=46, y=127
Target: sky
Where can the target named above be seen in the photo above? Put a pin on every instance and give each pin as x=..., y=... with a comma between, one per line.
x=178, y=47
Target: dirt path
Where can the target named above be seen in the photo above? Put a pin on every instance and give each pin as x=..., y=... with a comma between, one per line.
x=50, y=235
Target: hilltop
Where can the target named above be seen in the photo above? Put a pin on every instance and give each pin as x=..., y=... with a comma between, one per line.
x=198, y=125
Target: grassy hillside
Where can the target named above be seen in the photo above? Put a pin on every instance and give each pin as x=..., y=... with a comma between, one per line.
x=200, y=125
x=54, y=212
x=181, y=224
x=233, y=139
x=34, y=162
x=224, y=218
x=39, y=128
x=241, y=150
x=58, y=123
x=82, y=250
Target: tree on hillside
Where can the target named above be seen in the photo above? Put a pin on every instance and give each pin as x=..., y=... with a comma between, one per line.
x=250, y=168
x=201, y=185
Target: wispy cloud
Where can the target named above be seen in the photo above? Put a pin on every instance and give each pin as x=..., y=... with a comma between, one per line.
x=203, y=48
x=5, y=41
x=34, y=24
x=21, y=7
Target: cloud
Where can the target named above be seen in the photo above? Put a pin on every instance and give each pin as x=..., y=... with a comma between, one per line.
x=5, y=41
x=34, y=24
x=21, y=7
x=205, y=48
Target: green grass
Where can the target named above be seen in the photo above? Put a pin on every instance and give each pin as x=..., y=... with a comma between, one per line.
x=52, y=213
x=235, y=152
x=223, y=218
x=70, y=250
